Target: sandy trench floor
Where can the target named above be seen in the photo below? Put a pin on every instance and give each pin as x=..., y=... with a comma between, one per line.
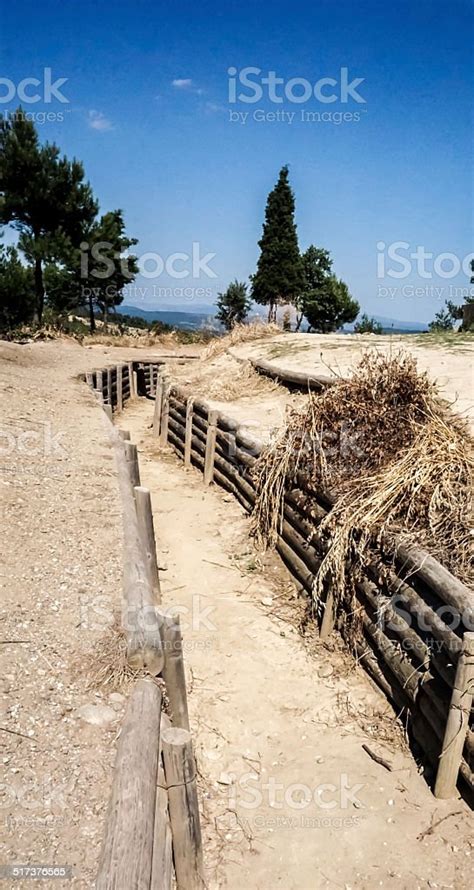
x=274, y=720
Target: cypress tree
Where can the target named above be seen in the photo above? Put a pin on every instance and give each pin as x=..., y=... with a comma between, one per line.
x=279, y=275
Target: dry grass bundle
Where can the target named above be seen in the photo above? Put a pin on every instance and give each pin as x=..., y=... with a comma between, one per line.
x=110, y=670
x=393, y=455
x=241, y=333
x=227, y=380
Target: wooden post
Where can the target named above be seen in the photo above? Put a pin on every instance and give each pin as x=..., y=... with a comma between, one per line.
x=119, y=372
x=162, y=869
x=180, y=774
x=124, y=434
x=108, y=411
x=210, y=447
x=127, y=849
x=152, y=380
x=173, y=671
x=165, y=410
x=133, y=380
x=329, y=617
x=90, y=379
x=131, y=455
x=158, y=404
x=189, y=432
x=109, y=387
x=147, y=536
x=100, y=382
x=457, y=722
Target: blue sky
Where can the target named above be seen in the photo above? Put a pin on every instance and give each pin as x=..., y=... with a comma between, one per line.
x=148, y=113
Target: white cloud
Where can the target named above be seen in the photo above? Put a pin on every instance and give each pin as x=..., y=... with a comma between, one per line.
x=214, y=108
x=184, y=83
x=98, y=121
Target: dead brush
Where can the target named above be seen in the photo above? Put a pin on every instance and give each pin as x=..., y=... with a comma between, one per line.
x=227, y=380
x=240, y=333
x=392, y=455
x=110, y=670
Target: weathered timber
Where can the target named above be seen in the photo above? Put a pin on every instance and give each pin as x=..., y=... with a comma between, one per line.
x=127, y=848
x=180, y=774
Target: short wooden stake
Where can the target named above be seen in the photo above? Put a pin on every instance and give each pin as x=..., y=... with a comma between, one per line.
x=124, y=434
x=165, y=411
x=173, y=671
x=189, y=432
x=329, y=617
x=158, y=405
x=152, y=380
x=119, y=371
x=108, y=411
x=90, y=379
x=132, y=380
x=210, y=447
x=457, y=722
x=180, y=774
x=147, y=535
x=162, y=869
x=109, y=387
x=127, y=849
x=131, y=455
x=100, y=382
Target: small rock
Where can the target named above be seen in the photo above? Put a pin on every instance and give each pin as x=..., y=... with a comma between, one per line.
x=267, y=601
x=97, y=715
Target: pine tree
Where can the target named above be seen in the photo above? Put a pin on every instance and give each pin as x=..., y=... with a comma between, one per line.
x=43, y=195
x=17, y=292
x=279, y=274
x=233, y=305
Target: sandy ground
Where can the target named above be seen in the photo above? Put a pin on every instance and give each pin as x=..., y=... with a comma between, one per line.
x=279, y=724
x=60, y=578
x=269, y=713
x=450, y=366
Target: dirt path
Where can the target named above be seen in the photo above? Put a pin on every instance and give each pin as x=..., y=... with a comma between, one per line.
x=264, y=709
x=61, y=580
x=290, y=798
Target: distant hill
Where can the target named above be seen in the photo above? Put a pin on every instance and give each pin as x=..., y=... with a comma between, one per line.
x=206, y=318
x=394, y=325
x=188, y=320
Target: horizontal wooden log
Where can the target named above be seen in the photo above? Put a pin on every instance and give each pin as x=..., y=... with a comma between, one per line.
x=176, y=443
x=393, y=625
x=249, y=443
x=227, y=423
x=377, y=669
x=406, y=596
x=127, y=848
x=176, y=428
x=415, y=561
x=292, y=378
x=403, y=670
x=295, y=566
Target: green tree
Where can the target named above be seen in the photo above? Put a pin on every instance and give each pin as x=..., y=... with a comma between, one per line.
x=317, y=265
x=279, y=274
x=333, y=307
x=17, y=290
x=43, y=195
x=233, y=305
x=324, y=300
x=106, y=266
x=445, y=318
x=367, y=325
